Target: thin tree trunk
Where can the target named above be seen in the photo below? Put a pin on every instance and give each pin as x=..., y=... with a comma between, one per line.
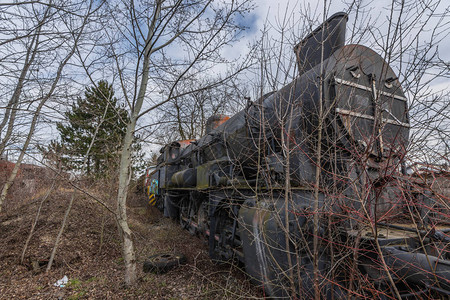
x=102, y=233
x=33, y=226
x=61, y=230
x=124, y=179
x=318, y=170
x=125, y=160
x=61, y=66
x=285, y=140
x=15, y=170
x=11, y=109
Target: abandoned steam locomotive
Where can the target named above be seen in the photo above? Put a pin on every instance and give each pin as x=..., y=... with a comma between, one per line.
x=306, y=186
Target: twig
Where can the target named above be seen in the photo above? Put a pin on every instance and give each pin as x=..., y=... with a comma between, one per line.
x=38, y=213
x=61, y=230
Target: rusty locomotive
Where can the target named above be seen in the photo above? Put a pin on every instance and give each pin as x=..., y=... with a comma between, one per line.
x=306, y=186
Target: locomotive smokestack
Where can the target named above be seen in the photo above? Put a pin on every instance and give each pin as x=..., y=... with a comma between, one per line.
x=331, y=34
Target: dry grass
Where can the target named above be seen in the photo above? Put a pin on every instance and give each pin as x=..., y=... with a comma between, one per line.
x=90, y=255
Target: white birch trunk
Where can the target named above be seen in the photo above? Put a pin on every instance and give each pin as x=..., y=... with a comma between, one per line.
x=125, y=160
x=124, y=180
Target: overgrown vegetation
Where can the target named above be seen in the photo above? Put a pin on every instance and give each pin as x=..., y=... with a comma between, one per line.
x=116, y=79
x=90, y=254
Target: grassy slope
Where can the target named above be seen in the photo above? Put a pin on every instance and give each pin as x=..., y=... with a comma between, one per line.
x=90, y=255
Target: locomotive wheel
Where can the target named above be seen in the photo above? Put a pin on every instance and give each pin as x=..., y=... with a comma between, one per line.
x=161, y=263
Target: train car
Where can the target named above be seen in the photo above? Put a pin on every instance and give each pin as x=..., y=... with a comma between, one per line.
x=306, y=187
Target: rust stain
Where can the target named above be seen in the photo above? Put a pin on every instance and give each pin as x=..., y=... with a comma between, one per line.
x=185, y=143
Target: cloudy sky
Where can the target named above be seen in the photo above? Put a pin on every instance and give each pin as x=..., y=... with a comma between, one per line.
x=371, y=23
x=419, y=22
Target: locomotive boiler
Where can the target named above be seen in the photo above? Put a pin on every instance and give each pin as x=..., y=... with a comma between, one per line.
x=306, y=187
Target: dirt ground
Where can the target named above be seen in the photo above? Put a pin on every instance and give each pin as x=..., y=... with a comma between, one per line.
x=90, y=255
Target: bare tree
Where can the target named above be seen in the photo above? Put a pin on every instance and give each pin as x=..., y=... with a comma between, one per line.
x=185, y=117
x=42, y=45
x=140, y=47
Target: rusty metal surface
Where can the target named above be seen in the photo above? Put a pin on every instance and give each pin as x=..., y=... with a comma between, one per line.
x=230, y=185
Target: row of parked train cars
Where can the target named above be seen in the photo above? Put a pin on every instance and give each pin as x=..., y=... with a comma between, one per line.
x=306, y=187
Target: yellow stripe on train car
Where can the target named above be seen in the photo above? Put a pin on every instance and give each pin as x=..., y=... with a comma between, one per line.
x=152, y=200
